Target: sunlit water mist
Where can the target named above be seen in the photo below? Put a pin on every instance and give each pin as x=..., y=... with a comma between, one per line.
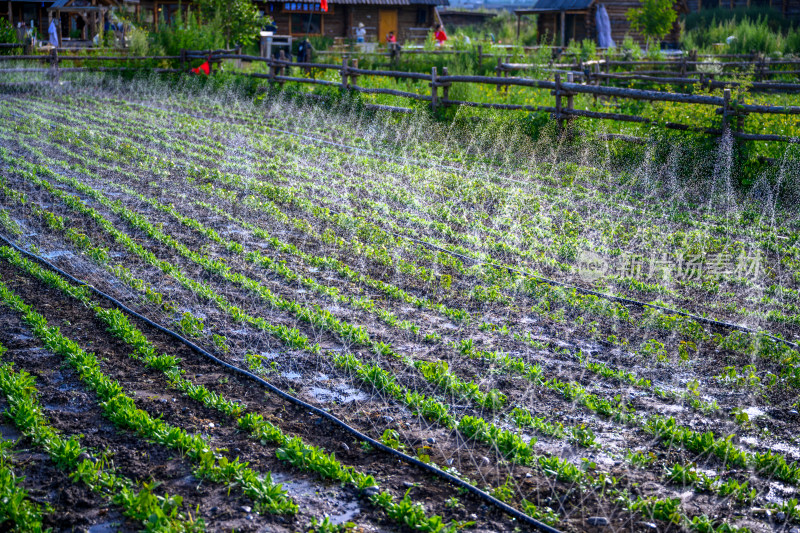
x=412, y=189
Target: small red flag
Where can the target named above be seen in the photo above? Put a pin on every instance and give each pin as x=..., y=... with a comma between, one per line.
x=324, y=5
x=205, y=68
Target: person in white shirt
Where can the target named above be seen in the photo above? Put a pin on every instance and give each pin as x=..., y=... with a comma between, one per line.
x=361, y=33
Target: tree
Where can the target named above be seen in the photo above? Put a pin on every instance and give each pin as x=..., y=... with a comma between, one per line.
x=238, y=19
x=654, y=19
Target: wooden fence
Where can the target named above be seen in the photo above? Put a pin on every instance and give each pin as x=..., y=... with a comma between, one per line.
x=708, y=80
x=563, y=89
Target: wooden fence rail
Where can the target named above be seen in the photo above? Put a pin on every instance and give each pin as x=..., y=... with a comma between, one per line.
x=732, y=113
x=703, y=79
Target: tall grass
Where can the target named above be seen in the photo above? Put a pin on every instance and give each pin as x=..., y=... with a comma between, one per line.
x=185, y=33
x=732, y=34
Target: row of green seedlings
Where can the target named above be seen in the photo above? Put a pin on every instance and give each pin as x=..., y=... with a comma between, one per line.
x=517, y=451
x=579, y=435
x=17, y=511
x=688, y=475
x=121, y=410
x=665, y=428
x=218, y=144
x=431, y=407
x=785, y=358
x=437, y=373
x=138, y=501
x=563, y=174
x=118, y=325
x=583, y=432
x=434, y=372
x=348, y=273
x=403, y=323
x=655, y=317
x=691, y=396
x=290, y=449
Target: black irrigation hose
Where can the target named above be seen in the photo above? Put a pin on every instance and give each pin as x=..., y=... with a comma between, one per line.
x=541, y=279
x=610, y=297
x=599, y=294
x=488, y=498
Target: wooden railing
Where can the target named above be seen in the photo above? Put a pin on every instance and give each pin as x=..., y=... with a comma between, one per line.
x=563, y=89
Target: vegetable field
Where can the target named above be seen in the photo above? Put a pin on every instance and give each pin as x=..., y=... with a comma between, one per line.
x=595, y=347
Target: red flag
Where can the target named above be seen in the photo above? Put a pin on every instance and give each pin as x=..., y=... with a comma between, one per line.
x=324, y=5
x=205, y=68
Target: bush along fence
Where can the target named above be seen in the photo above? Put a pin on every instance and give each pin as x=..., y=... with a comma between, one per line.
x=563, y=91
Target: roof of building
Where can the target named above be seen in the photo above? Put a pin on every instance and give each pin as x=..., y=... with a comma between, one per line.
x=393, y=2
x=556, y=5
x=81, y=3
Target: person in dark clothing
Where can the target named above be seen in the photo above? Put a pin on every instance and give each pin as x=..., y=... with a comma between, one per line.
x=304, y=51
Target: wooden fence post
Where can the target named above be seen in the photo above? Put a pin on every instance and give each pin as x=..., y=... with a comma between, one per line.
x=480, y=56
x=282, y=57
x=55, y=74
x=726, y=111
x=499, y=70
x=183, y=60
x=353, y=76
x=271, y=65
x=598, y=80
x=557, y=93
x=505, y=73
x=434, y=90
x=445, y=88
x=345, y=84
x=570, y=95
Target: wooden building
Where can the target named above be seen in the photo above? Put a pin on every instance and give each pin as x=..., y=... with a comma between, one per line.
x=406, y=18
x=79, y=20
x=297, y=18
x=562, y=21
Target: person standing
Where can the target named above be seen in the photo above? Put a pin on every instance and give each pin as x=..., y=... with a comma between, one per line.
x=394, y=48
x=439, y=35
x=361, y=33
x=32, y=34
x=304, y=51
x=53, y=32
